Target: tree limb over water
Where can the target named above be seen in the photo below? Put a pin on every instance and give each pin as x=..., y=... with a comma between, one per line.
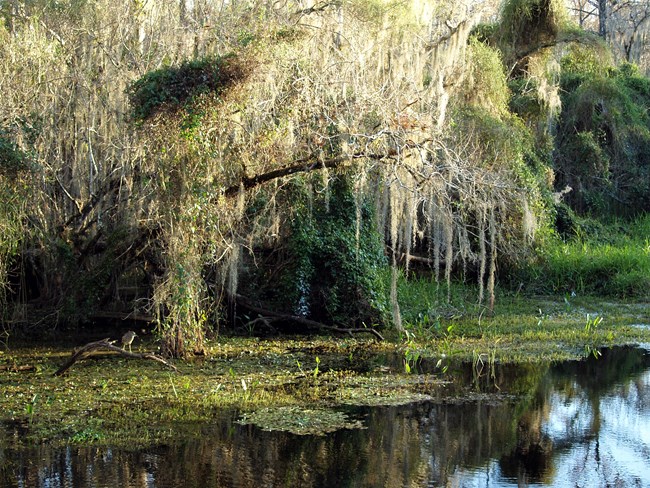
x=106, y=344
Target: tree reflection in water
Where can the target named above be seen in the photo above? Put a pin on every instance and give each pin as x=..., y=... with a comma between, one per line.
x=572, y=424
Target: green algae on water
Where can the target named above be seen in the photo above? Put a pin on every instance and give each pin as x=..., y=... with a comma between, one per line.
x=300, y=421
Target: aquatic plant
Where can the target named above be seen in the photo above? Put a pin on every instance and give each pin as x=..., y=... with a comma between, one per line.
x=590, y=327
x=134, y=403
x=30, y=408
x=411, y=357
x=592, y=323
x=316, y=368
x=300, y=421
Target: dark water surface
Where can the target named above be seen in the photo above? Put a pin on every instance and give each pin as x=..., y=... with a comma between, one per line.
x=575, y=424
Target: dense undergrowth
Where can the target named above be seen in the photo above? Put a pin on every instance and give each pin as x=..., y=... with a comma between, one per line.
x=481, y=198
x=605, y=259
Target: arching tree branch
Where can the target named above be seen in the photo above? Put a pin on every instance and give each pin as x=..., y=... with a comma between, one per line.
x=300, y=166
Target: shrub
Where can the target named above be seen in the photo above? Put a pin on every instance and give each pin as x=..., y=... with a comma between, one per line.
x=13, y=159
x=326, y=274
x=175, y=86
x=603, y=142
x=609, y=260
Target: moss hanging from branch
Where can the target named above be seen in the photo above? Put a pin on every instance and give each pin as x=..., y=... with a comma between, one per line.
x=525, y=25
x=16, y=170
x=359, y=90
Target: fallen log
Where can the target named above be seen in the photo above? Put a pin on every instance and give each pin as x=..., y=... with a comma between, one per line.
x=270, y=316
x=135, y=317
x=15, y=368
x=108, y=345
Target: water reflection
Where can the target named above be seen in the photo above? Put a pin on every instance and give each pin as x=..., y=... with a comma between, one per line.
x=572, y=424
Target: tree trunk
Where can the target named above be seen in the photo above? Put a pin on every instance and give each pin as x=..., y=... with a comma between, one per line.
x=602, y=18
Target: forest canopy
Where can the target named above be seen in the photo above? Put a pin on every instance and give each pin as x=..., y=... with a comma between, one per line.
x=178, y=160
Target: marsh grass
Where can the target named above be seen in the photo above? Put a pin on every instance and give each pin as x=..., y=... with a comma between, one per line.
x=609, y=260
x=426, y=304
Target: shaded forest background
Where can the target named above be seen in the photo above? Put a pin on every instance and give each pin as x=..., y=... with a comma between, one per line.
x=189, y=163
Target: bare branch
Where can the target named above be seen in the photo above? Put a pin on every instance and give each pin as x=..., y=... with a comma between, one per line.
x=107, y=344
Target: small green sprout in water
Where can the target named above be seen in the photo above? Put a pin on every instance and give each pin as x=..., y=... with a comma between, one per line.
x=540, y=320
x=590, y=328
x=593, y=351
x=173, y=387
x=89, y=434
x=591, y=324
x=83, y=436
x=481, y=361
x=411, y=358
x=30, y=408
x=299, y=364
x=447, y=337
x=439, y=365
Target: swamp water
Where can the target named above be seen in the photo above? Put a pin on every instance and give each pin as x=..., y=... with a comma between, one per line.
x=583, y=424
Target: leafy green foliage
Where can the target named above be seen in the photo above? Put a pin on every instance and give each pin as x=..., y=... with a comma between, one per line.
x=425, y=304
x=332, y=276
x=502, y=140
x=176, y=86
x=88, y=283
x=484, y=32
x=15, y=167
x=13, y=158
x=487, y=86
x=582, y=62
x=526, y=24
x=507, y=144
x=524, y=100
x=603, y=143
x=488, y=112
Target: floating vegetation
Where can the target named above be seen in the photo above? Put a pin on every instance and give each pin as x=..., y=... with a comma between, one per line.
x=300, y=421
x=386, y=390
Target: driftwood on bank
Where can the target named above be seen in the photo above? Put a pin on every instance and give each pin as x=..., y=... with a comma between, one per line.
x=269, y=316
x=108, y=345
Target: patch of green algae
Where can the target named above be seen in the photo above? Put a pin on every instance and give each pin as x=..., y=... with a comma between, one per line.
x=300, y=420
